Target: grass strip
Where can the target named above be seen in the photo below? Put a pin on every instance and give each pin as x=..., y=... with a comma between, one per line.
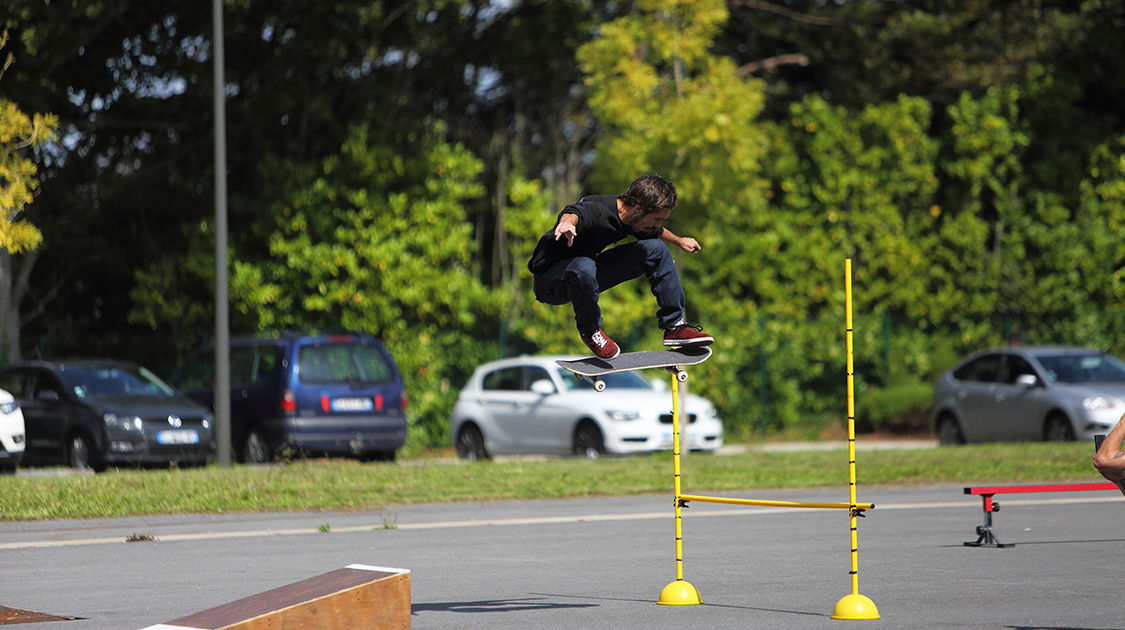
x=344, y=485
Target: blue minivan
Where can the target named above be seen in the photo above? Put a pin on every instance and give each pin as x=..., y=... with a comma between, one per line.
x=306, y=394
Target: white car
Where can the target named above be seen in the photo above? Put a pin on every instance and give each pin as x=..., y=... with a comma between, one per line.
x=531, y=405
x=11, y=433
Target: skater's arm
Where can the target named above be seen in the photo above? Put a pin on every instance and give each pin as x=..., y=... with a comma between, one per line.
x=1110, y=458
x=686, y=243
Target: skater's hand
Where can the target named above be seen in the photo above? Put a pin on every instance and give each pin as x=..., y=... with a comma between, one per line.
x=689, y=245
x=566, y=228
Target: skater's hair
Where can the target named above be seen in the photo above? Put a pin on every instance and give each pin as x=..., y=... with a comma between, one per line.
x=650, y=193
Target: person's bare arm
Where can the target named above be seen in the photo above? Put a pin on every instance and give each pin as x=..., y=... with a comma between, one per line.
x=686, y=243
x=1110, y=458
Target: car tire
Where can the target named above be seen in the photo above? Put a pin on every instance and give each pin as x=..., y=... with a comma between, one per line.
x=588, y=441
x=470, y=443
x=1058, y=429
x=81, y=455
x=256, y=449
x=949, y=431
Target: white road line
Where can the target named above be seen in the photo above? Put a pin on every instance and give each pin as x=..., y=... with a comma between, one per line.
x=545, y=520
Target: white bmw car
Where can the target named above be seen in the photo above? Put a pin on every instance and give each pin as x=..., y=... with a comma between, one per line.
x=531, y=405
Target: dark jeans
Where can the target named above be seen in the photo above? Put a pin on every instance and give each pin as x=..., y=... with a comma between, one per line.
x=580, y=281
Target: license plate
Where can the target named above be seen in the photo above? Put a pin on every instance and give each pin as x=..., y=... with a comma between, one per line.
x=352, y=404
x=183, y=436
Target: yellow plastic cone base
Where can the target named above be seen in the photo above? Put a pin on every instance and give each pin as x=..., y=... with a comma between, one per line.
x=679, y=593
x=855, y=607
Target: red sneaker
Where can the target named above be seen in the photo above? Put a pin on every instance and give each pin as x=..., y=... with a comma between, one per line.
x=687, y=335
x=602, y=346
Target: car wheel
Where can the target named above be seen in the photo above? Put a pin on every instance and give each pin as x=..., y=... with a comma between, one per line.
x=470, y=444
x=588, y=441
x=1058, y=429
x=257, y=449
x=80, y=454
x=948, y=431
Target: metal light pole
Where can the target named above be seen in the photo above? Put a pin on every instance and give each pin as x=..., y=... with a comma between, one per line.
x=222, y=304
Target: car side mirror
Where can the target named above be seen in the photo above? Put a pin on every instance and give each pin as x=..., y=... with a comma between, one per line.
x=48, y=395
x=543, y=387
x=1027, y=380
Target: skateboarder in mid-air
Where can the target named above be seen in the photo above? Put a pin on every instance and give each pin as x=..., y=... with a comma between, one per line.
x=570, y=266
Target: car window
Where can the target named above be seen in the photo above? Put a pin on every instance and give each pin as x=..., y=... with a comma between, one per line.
x=319, y=364
x=13, y=382
x=241, y=358
x=504, y=379
x=269, y=362
x=1016, y=366
x=1082, y=368
x=983, y=369
x=534, y=373
x=46, y=384
x=373, y=365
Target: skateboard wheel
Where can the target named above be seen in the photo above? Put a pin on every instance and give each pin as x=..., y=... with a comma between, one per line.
x=681, y=376
x=599, y=386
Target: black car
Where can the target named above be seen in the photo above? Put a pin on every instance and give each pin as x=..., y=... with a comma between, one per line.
x=306, y=393
x=93, y=413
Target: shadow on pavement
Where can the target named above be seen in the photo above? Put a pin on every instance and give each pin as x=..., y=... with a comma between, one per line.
x=495, y=605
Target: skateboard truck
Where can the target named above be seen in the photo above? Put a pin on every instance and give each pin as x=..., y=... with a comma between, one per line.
x=599, y=384
x=593, y=369
x=681, y=375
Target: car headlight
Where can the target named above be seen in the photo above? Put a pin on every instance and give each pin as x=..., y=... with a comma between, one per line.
x=623, y=416
x=9, y=407
x=125, y=423
x=1094, y=403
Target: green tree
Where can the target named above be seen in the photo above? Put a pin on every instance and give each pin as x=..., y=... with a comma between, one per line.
x=377, y=241
x=19, y=133
x=667, y=105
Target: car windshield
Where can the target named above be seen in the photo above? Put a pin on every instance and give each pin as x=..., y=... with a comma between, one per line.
x=105, y=381
x=1082, y=368
x=616, y=380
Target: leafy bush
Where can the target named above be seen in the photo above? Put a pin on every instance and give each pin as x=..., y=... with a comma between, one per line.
x=896, y=409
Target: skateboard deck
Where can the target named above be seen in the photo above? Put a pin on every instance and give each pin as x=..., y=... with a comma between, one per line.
x=591, y=368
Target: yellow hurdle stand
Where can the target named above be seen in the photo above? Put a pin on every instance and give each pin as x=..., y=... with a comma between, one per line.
x=854, y=606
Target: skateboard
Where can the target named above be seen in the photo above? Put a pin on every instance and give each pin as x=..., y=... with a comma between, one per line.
x=590, y=368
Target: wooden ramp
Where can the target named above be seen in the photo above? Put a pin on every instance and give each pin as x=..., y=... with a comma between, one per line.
x=357, y=596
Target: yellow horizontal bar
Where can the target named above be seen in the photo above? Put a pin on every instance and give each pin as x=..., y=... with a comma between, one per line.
x=844, y=506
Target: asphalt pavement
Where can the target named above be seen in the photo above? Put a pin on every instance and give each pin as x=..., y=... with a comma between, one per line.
x=602, y=562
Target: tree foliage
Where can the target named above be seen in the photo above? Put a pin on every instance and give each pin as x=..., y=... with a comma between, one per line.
x=392, y=165
x=19, y=182
x=376, y=241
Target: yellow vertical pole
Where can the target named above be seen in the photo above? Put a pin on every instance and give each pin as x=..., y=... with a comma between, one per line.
x=679, y=592
x=848, y=340
x=853, y=606
x=676, y=478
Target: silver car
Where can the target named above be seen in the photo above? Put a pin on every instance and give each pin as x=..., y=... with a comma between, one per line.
x=530, y=405
x=1029, y=393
